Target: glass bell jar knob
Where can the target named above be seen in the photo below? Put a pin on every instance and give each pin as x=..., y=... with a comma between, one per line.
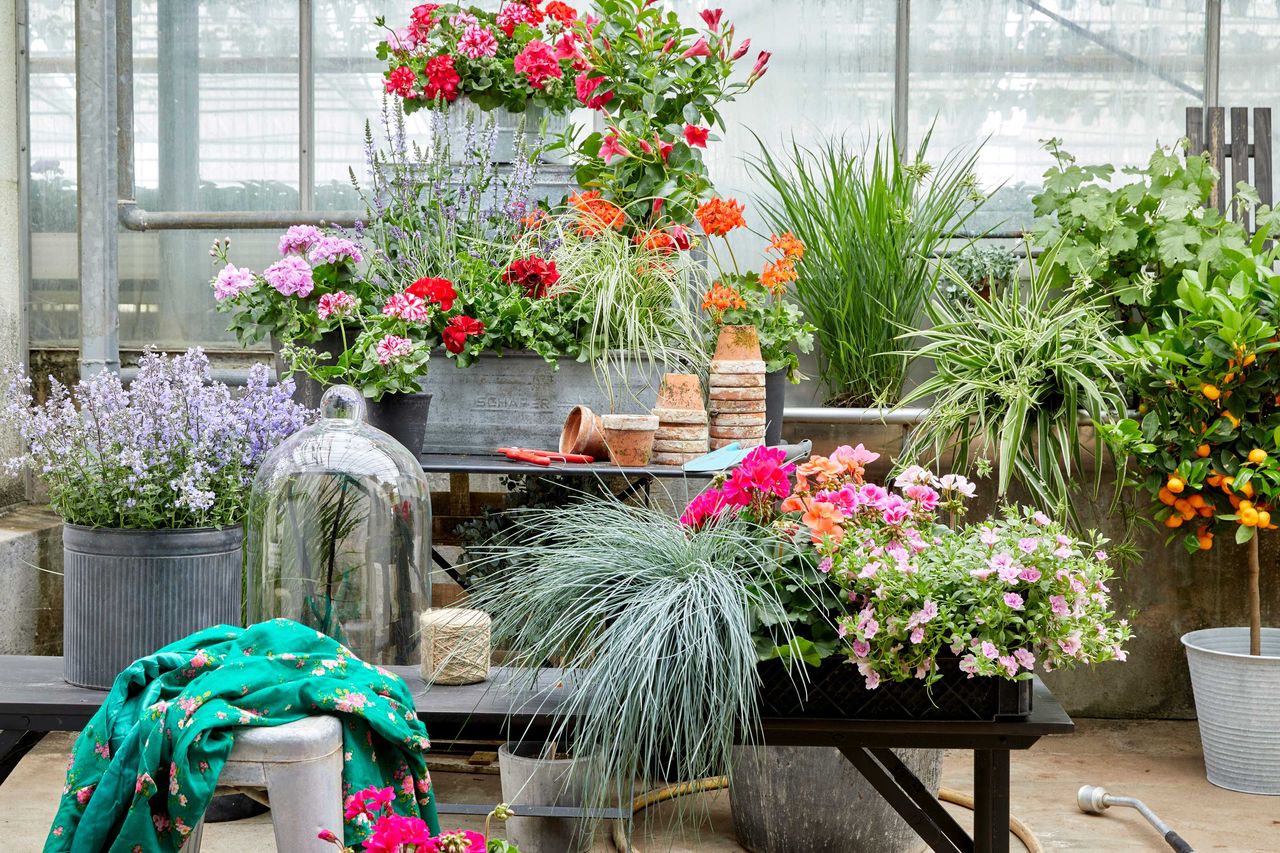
x=343, y=403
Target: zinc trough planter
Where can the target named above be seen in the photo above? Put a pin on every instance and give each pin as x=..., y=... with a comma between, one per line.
x=1238, y=706
x=127, y=593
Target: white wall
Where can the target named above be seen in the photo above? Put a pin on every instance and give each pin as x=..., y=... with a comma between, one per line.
x=12, y=337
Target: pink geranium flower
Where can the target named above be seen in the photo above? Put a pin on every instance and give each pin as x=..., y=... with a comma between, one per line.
x=537, y=62
x=393, y=348
x=407, y=307
x=477, y=42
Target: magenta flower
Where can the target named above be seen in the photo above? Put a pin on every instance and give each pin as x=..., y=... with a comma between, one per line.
x=895, y=511
x=407, y=307
x=291, y=276
x=698, y=48
x=923, y=496
x=342, y=304
x=232, y=281
x=824, y=565
x=299, y=239
x=861, y=648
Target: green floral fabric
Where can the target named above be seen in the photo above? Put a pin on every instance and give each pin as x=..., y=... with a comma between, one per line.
x=145, y=767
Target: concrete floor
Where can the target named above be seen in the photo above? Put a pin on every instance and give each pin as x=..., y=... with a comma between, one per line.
x=1158, y=762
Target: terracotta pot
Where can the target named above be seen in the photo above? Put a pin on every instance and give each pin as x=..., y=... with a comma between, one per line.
x=738, y=343
x=680, y=391
x=583, y=433
x=630, y=438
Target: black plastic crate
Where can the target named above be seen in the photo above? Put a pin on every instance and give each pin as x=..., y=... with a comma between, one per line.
x=836, y=690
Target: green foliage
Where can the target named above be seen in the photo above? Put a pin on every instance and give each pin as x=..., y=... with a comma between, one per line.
x=1012, y=376
x=1132, y=242
x=652, y=91
x=1205, y=371
x=870, y=222
x=983, y=268
x=655, y=623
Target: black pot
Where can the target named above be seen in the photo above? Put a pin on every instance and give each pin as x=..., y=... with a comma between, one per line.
x=403, y=417
x=775, y=400
x=836, y=690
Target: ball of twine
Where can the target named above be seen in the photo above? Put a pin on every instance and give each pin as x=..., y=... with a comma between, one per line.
x=455, y=645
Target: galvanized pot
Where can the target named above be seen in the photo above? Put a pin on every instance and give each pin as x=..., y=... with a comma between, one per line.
x=775, y=401
x=530, y=780
x=404, y=418
x=1238, y=704
x=127, y=593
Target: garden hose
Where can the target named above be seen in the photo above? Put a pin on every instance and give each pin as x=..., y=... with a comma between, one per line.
x=714, y=783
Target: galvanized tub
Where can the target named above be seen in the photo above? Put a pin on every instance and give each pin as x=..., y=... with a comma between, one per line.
x=537, y=123
x=1238, y=705
x=530, y=780
x=127, y=593
x=811, y=798
x=519, y=399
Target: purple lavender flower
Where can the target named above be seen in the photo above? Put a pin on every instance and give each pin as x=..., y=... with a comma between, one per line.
x=291, y=275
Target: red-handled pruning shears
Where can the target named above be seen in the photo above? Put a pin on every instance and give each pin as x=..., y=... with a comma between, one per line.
x=542, y=457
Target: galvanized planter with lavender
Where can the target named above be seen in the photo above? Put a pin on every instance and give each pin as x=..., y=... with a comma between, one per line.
x=152, y=482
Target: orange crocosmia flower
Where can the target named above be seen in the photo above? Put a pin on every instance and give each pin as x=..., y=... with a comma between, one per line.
x=776, y=274
x=823, y=519
x=722, y=298
x=788, y=244
x=821, y=468
x=596, y=215
x=720, y=216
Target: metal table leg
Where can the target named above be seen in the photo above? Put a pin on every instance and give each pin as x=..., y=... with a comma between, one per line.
x=908, y=796
x=991, y=800
x=14, y=744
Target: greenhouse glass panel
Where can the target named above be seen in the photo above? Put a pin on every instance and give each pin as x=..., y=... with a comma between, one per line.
x=1111, y=78
x=1250, y=75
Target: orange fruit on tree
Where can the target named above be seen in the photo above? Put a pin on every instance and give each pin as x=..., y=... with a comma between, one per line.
x=1206, y=511
x=1174, y=520
x=1264, y=518
x=1175, y=485
x=1196, y=501
x=1257, y=456
x=1210, y=391
x=1235, y=422
x=1249, y=517
x=1166, y=497
x=1246, y=490
x=1202, y=451
x=1205, y=542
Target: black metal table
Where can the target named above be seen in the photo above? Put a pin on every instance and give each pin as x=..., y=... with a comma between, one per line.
x=34, y=700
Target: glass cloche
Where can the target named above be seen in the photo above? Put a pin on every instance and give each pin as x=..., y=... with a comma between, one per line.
x=340, y=534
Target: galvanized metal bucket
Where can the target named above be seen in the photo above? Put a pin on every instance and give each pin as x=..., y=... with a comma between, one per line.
x=528, y=779
x=127, y=593
x=1238, y=703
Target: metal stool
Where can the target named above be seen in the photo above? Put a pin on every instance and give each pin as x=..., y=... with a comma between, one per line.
x=299, y=765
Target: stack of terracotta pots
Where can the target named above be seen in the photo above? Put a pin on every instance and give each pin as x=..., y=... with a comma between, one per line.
x=682, y=420
x=737, y=395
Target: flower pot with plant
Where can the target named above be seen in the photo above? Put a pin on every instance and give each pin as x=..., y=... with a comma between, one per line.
x=389, y=832
x=985, y=269
x=152, y=482
x=1208, y=444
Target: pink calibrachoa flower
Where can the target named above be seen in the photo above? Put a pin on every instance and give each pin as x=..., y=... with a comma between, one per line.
x=233, y=281
x=341, y=304
x=291, y=276
x=1041, y=519
x=537, y=62
x=1028, y=544
x=1058, y=605
x=989, y=537
x=1026, y=658
x=407, y=307
x=477, y=42
x=923, y=496
x=1013, y=600
x=393, y=348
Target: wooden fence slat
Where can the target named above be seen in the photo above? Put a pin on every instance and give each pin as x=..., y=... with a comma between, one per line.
x=1262, y=153
x=1239, y=158
x=1218, y=154
x=1195, y=130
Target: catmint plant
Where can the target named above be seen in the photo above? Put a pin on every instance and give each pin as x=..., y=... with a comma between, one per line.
x=170, y=450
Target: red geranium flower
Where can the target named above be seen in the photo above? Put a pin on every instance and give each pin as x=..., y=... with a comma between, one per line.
x=534, y=274
x=437, y=290
x=421, y=20
x=457, y=331
x=400, y=81
x=562, y=12
x=442, y=79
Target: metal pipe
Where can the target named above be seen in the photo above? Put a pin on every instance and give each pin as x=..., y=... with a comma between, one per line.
x=901, y=75
x=306, y=106
x=1212, y=38
x=234, y=376
x=98, y=189
x=1094, y=799
x=834, y=415
x=22, y=76
x=135, y=218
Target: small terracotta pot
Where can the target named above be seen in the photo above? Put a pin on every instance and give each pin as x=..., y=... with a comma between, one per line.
x=680, y=391
x=583, y=433
x=738, y=343
x=630, y=438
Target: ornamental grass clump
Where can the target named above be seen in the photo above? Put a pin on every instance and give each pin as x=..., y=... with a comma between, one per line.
x=171, y=450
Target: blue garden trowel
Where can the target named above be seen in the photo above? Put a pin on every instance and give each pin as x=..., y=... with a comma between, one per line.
x=731, y=454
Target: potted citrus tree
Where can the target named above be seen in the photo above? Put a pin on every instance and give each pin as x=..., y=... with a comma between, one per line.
x=1207, y=442
x=151, y=482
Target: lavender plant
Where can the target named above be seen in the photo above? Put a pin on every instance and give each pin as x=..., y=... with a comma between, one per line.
x=171, y=450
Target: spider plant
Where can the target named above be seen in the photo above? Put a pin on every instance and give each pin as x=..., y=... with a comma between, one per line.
x=1014, y=375
x=870, y=221
x=653, y=623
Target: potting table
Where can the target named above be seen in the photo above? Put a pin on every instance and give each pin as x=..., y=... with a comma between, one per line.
x=34, y=700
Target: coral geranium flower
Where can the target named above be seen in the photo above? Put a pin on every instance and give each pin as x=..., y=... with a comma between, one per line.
x=720, y=216
x=776, y=274
x=823, y=520
x=788, y=244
